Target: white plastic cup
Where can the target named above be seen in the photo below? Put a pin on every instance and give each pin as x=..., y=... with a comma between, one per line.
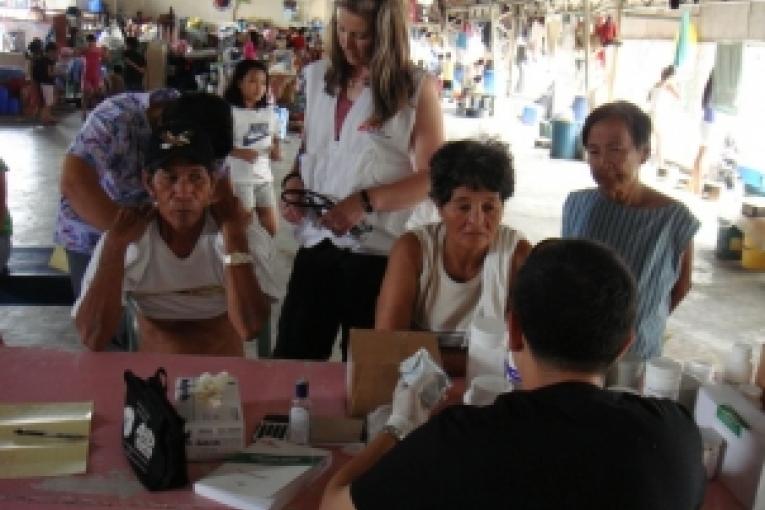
x=662, y=378
x=488, y=332
x=485, y=389
x=629, y=373
x=738, y=365
x=487, y=348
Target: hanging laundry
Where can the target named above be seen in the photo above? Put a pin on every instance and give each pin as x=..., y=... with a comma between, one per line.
x=727, y=76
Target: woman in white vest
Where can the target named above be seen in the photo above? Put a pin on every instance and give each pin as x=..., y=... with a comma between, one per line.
x=442, y=275
x=372, y=122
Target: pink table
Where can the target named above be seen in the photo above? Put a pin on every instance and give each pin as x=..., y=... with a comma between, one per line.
x=44, y=375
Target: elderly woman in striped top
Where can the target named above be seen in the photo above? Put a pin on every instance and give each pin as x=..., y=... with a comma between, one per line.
x=652, y=232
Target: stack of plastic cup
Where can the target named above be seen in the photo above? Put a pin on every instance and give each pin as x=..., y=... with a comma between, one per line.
x=487, y=349
x=662, y=378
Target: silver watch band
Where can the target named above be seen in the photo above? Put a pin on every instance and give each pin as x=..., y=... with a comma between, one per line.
x=237, y=258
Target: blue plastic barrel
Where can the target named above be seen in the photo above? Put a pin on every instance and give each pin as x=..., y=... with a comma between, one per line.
x=564, y=138
x=459, y=74
x=581, y=108
x=529, y=115
x=488, y=81
x=14, y=106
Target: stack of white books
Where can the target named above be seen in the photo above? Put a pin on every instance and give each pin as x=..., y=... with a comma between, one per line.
x=264, y=476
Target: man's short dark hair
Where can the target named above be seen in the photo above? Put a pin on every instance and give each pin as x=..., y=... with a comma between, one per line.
x=575, y=302
x=477, y=165
x=90, y=38
x=208, y=110
x=637, y=121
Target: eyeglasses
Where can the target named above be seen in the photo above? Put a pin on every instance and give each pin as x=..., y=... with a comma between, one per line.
x=319, y=204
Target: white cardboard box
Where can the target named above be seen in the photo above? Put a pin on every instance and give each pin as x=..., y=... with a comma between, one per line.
x=213, y=432
x=742, y=426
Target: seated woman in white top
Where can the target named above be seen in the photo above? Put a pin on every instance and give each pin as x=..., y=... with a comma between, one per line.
x=193, y=268
x=442, y=275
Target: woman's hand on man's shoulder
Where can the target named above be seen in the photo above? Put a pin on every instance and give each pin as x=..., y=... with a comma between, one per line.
x=130, y=224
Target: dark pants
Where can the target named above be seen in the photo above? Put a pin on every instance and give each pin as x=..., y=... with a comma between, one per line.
x=329, y=288
x=125, y=339
x=78, y=263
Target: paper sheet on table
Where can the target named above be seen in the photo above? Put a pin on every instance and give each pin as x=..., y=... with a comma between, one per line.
x=31, y=456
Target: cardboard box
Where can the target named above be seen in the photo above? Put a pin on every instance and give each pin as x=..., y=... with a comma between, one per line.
x=742, y=426
x=213, y=432
x=753, y=207
x=373, y=361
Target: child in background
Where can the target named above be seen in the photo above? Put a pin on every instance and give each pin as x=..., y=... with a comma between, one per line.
x=254, y=142
x=92, y=84
x=6, y=228
x=42, y=73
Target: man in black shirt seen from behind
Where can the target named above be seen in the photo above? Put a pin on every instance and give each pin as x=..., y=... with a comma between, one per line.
x=562, y=441
x=135, y=66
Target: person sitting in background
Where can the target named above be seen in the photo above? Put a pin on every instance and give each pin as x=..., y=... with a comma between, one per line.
x=562, y=441
x=652, y=232
x=135, y=65
x=442, y=275
x=197, y=276
x=6, y=226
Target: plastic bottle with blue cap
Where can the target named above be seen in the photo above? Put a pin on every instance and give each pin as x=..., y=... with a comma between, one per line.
x=300, y=416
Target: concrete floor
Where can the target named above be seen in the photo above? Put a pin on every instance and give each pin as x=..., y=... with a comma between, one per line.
x=724, y=306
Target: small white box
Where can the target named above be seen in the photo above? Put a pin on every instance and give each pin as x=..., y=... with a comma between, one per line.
x=214, y=430
x=742, y=427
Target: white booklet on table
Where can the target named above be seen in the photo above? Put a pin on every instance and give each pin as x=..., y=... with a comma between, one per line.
x=266, y=475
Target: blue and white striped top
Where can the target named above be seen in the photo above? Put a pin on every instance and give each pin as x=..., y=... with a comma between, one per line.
x=650, y=241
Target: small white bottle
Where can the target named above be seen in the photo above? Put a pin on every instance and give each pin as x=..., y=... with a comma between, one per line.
x=300, y=416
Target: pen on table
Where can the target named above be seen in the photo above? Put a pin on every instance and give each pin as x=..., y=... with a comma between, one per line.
x=43, y=433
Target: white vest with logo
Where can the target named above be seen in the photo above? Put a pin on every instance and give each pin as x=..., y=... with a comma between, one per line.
x=361, y=158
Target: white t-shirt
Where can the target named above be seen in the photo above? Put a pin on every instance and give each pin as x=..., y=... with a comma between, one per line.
x=253, y=129
x=164, y=286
